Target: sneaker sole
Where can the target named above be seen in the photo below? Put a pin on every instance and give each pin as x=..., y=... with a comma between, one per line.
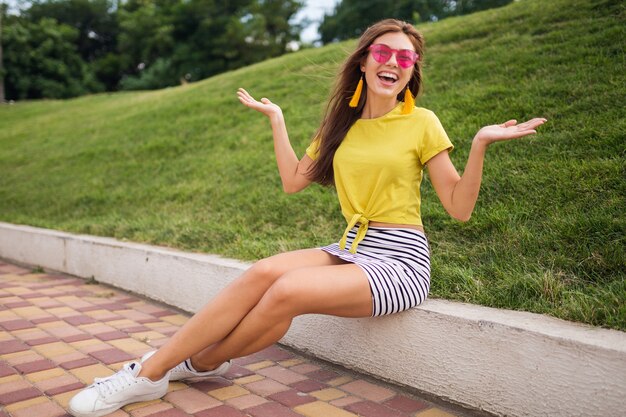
x=112, y=409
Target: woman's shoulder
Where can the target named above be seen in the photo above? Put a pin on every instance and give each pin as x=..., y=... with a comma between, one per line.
x=422, y=112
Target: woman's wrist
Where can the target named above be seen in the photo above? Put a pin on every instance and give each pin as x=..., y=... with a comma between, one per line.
x=276, y=117
x=480, y=143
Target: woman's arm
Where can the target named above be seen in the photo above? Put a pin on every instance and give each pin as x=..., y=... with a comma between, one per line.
x=458, y=194
x=292, y=170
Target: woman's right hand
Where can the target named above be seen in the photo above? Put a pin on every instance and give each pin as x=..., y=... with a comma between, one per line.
x=264, y=106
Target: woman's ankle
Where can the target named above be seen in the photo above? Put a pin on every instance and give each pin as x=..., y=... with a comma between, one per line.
x=200, y=366
x=151, y=373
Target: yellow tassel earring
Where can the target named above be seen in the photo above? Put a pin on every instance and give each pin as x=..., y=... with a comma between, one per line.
x=409, y=102
x=357, y=93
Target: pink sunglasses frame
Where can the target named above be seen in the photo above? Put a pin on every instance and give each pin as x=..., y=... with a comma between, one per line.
x=394, y=51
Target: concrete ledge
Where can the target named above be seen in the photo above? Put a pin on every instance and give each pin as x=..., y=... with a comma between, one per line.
x=502, y=362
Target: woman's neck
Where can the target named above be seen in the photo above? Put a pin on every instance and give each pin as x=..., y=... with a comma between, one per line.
x=377, y=107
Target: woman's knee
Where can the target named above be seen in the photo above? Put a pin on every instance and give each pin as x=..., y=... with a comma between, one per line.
x=264, y=271
x=282, y=297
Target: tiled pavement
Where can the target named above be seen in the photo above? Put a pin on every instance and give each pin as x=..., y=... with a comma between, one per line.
x=60, y=332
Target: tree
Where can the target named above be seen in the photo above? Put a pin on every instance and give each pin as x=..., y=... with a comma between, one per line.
x=351, y=17
x=95, y=21
x=198, y=38
x=41, y=61
x=2, y=12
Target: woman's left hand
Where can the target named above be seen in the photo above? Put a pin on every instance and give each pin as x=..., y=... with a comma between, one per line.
x=508, y=130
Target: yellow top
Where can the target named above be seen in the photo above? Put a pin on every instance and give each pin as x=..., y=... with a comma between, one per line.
x=378, y=168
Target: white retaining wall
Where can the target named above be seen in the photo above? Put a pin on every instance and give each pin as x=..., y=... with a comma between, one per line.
x=502, y=362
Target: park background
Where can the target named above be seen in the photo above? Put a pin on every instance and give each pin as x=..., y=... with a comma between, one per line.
x=188, y=167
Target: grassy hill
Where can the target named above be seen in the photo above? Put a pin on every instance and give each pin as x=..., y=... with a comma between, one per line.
x=189, y=167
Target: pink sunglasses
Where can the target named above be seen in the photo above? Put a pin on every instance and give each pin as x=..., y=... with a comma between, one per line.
x=404, y=57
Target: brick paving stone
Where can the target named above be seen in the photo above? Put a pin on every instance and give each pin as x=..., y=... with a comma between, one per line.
x=130, y=345
x=248, y=379
x=211, y=384
x=19, y=395
x=237, y=371
x=274, y=353
x=246, y=401
x=79, y=363
x=320, y=408
x=135, y=329
x=13, y=383
x=372, y=409
x=16, y=325
x=292, y=398
x=368, y=390
x=255, y=366
x=342, y=402
x=36, y=366
x=5, y=369
x=41, y=341
x=77, y=320
x=282, y=375
x=434, y=412
x=323, y=375
x=72, y=356
x=309, y=385
x=221, y=411
x=172, y=412
x=87, y=373
x=271, y=410
x=266, y=387
x=328, y=394
x=150, y=409
x=76, y=337
x=110, y=356
x=191, y=400
x=305, y=368
x=129, y=408
x=287, y=363
x=17, y=304
x=59, y=381
x=228, y=392
x=47, y=409
x=250, y=359
x=18, y=358
x=64, y=388
x=55, y=349
x=339, y=381
x=408, y=405
x=46, y=375
x=111, y=335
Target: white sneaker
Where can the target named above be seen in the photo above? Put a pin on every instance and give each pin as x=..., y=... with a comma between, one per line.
x=106, y=395
x=184, y=370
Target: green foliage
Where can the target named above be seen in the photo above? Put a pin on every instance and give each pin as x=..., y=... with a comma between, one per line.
x=93, y=19
x=41, y=60
x=151, y=43
x=351, y=17
x=188, y=167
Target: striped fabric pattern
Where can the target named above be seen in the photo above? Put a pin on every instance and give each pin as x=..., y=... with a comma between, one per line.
x=397, y=264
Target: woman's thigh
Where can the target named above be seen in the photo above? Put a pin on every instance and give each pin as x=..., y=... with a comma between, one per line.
x=339, y=290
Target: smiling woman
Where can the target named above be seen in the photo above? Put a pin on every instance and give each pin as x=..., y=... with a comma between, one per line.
x=374, y=154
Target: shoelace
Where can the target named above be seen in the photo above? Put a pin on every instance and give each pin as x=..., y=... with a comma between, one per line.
x=116, y=382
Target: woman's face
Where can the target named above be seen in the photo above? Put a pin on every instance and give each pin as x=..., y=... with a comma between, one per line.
x=388, y=79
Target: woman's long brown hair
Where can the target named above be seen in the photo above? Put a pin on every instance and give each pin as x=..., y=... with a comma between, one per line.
x=339, y=118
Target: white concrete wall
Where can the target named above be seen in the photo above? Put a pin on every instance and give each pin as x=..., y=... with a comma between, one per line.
x=503, y=362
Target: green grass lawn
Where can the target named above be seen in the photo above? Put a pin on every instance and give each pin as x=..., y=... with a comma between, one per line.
x=190, y=167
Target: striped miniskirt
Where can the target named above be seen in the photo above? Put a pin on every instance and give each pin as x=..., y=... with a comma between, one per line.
x=396, y=262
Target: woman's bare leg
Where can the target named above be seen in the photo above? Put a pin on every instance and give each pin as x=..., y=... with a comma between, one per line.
x=222, y=314
x=340, y=290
